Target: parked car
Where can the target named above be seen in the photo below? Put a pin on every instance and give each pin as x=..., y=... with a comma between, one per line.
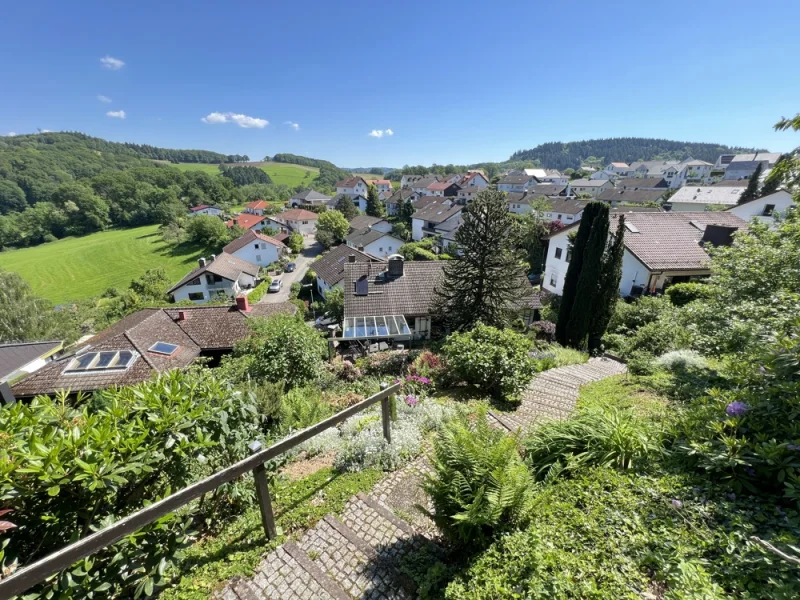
x=275, y=286
x=290, y=267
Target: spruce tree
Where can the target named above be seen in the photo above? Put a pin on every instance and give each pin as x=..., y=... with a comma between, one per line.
x=608, y=286
x=751, y=192
x=406, y=210
x=587, y=291
x=486, y=281
x=773, y=181
x=346, y=206
x=375, y=207
x=574, y=270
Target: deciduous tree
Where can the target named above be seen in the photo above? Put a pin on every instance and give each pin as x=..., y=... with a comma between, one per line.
x=332, y=228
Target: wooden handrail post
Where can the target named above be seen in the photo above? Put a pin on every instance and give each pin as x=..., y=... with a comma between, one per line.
x=386, y=415
x=262, y=493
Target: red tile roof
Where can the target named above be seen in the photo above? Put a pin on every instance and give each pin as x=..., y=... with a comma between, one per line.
x=256, y=204
x=245, y=220
x=248, y=237
x=200, y=207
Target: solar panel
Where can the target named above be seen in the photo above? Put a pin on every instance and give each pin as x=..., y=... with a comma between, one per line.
x=98, y=362
x=163, y=348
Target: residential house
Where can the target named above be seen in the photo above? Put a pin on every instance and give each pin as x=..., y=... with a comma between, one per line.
x=552, y=190
x=360, y=202
x=23, y=358
x=354, y=186
x=661, y=248
x=395, y=288
x=256, y=207
x=643, y=183
x=329, y=268
x=473, y=179
x=425, y=201
x=407, y=181
x=298, y=220
x=443, y=188
x=421, y=185
x=765, y=208
x=374, y=242
x=257, y=248
x=742, y=166
x=435, y=219
x=363, y=221
x=618, y=169
x=394, y=201
x=591, y=187
x=309, y=198
x=149, y=341
x=672, y=170
x=602, y=175
x=617, y=196
x=566, y=210
x=516, y=183
x=723, y=160
x=253, y=222
x=553, y=176
x=467, y=194
x=219, y=275
x=382, y=185
x=205, y=209
x=698, y=170
x=692, y=198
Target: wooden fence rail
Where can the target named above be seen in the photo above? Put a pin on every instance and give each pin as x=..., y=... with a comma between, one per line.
x=39, y=571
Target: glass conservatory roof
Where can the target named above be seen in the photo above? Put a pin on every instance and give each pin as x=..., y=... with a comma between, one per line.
x=384, y=326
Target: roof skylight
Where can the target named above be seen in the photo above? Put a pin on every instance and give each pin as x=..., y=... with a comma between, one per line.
x=99, y=362
x=163, y=348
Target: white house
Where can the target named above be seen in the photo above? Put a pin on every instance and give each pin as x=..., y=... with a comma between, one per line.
x=672, y=170
x=742, y=166
x=592, y=187
x=692, y=198
x=256, y=248
x=253, y=222
x=602, y=175
x=393, y=202
x=553, y=176
x=374, y=242
x=436, y=218
x=204, y=209
x=308, y=198
x=363, y=221
x=698, y=170
x=220, y=275
x=661, y=248
x=406, y=181
x=516, y=183
x=329, y=268
x=355, y=186
x=382, y=185
x=617, y=169
x=256, y=207
x=421, y=185
x=764, y=208
x=298, y=220
x=466, y=194
x=473, y=179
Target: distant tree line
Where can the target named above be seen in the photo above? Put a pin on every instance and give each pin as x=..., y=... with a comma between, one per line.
x=305, y=161
x=559, y=155
x=245, y=175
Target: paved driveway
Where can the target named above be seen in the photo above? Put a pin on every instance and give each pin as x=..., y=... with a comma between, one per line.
x=309, y=254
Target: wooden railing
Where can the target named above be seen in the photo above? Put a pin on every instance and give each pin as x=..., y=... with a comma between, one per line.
x=39, y=571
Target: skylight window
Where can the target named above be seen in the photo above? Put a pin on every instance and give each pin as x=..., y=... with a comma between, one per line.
x=99, y=362
x=163, y=348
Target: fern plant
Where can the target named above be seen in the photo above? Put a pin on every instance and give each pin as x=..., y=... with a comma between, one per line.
x=479, y=483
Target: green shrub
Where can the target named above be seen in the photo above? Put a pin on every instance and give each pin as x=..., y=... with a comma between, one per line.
x=303, y=407
x=681, y=294
x=494, y=360
x=258, y=292
x=479, y=485
x=68, y=469
x=682, y=360
x=593, y=437
x=295, y=289
x=567, y=356
x=629, y=317
x=657, y=338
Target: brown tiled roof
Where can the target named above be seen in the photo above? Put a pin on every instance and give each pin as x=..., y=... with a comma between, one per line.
x=440, y=186
x=424, y=201
x=245, y=220
x=297, y=214
x=362, y=221
x=348, y=183
x=669, y=240
x=225, y=265
x=330, y=268
x=256, y=204
x=365, y=236
x=425, y=182
x=282, y=237
x=567, y=206
x=547, y=189
x=634, y=196
x=399, y=195
x=437, y=213
x=412, y=294
x=248, y=237
x=516, y=179
x=17, y=355
x=643, y=182
x=272, y=308
x=310, y=195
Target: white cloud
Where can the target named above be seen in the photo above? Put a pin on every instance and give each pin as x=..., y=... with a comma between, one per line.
x=104, y=99
x=389, y=132
x=379, y=133
x=116, y=114
x=239, y=119
x=11, y=134
x=109, y=62
x=44, y=131
x=295, y=126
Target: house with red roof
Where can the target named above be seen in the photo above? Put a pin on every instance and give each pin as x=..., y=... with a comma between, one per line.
x=257, y=248
x=298, y=220
x=382, y=185
x=354, y=186
x=251, y=222
x=256, y=207
x=205, y=209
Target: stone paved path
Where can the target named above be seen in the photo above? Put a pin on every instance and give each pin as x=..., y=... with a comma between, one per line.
x=357, y=554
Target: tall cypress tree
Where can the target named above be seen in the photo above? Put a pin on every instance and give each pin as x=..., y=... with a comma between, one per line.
x=587, y=291
x=375, y=207
x=751, y=192
x=486, y=280
x=608, y=286
x=574, y=269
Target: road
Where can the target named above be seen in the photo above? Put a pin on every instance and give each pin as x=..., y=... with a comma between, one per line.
x=309, y=254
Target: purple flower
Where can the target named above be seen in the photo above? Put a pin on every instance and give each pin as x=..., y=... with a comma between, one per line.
x=732, y=496
x=411, y=400
x=794, y=447
x=750, y=471
x=397, y=381
x=736, y=409
x=676, y=503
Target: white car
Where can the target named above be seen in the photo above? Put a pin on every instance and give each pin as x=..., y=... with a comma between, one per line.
x=275, y=286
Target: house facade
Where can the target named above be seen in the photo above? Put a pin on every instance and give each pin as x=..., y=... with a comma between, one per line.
x=329, y=268
x=516, y=183
x=252, y=222
x=355, y=186
x=256, y=207
x=742, y=166
x=298, y=220
x=435, y=219
x=591, y=187
x=223, y=275
x=374, y=242
x=766, y=208
x=382, y=185
x=692, y=198
x=309, y=198
x=256, y=248
x=394, y=201
x=204, y=209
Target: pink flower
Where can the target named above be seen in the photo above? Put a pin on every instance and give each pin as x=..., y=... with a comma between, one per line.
x=411, y=400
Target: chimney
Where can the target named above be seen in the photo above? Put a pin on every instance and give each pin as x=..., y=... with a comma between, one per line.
x=242, y=304
x=395, y=268
x=360, y=249
x=201, y=261
x=182, y=315
x=351, y=258
x=213, y=256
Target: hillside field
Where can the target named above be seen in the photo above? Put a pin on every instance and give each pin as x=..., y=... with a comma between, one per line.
x=78, y=268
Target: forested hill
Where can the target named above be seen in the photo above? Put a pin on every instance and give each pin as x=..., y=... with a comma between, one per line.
x=305, y=161
x=558, y=155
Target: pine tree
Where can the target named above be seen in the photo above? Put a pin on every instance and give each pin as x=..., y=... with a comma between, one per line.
x=485, y=282
x=405, y=212
x=574, y=270
x=751, y=192
x=375, y=207
x=587, y=291
x=346, y=206
x=773, y=181
x=608, y=285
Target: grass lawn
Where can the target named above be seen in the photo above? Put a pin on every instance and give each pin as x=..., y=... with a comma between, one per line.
x=78, y=268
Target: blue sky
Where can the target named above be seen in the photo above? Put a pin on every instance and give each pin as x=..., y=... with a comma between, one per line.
x=454, y=82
